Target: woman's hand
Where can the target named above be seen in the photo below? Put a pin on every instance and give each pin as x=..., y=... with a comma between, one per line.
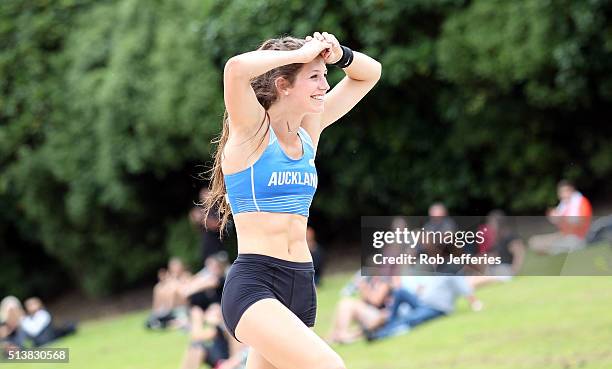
x=333, y=52
x=313, y=48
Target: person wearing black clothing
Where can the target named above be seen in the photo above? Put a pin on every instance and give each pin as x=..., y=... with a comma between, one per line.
x=439, y=222
x=208, y=344
x=206, y=286
x=38, y=324
x=210, y=240
x=508, y=246
x=318, y=259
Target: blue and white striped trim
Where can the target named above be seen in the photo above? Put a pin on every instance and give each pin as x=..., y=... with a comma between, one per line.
x=253, y=189
x=299, y=204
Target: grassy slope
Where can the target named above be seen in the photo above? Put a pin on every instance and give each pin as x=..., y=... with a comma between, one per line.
x=532, y=322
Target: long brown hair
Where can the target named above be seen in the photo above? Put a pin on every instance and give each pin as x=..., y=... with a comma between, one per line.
x=265, y=90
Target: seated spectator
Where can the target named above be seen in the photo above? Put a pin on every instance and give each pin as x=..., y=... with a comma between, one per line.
x=489, y=231
x=437, y=299
x=572, y=217
x=206, y=286
x=11, y=314
x=367, y=309
x=502, y=242
x=317, y=254
x=439, y=222
x=169, y=305
x=393, y=250
x=211, y=343
x=38, y=326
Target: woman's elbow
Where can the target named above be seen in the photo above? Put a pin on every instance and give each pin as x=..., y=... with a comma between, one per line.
x=377, y=70
x=233, y=67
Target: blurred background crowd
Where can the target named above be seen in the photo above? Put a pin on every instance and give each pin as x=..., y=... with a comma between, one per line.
x=369, y=307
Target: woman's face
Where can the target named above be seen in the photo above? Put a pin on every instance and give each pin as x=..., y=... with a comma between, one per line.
x=309, y=88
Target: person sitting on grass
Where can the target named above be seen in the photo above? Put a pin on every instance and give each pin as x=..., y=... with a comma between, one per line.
x=572, y=217
x=504, y=243
x=210, y=343
x=367, y=309
x=206, y=286
x=176, y=294
x=437, y=299
x=11, y=314
x=38, y=326
x=169, y=305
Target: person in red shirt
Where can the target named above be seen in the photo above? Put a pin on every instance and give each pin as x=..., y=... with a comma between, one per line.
x=572, y=217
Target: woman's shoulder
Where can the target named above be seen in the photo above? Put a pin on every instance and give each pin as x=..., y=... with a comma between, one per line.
x=312, y=125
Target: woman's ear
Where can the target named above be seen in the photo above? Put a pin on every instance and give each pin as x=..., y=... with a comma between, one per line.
x=282, y=86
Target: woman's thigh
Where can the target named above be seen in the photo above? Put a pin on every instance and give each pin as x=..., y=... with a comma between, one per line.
x=257, y=361
x=283, y=339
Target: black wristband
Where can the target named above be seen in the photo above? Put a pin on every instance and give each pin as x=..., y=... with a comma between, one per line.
x=346, y=59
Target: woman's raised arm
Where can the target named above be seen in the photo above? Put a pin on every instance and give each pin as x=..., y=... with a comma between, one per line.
x=240, y=100
x=361, y=75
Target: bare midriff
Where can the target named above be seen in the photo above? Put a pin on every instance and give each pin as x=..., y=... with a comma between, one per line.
x=279, y=235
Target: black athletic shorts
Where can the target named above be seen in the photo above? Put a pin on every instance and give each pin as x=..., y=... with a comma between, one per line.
x=254, y=277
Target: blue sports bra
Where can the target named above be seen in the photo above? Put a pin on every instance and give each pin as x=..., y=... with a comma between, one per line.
x=275, y=183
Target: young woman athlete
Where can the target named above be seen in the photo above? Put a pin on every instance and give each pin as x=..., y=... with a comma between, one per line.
x=277, y=105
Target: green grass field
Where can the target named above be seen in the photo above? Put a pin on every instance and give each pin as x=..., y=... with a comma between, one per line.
x=594, y=261
x=531, y=322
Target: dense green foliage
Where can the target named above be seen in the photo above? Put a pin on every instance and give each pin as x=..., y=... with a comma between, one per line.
x=107, y=109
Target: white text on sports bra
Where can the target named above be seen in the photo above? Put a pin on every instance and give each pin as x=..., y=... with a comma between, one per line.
x=289, y=178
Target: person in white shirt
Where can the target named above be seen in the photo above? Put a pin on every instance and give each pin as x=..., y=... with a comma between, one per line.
x=37, y=324
x=572, y=217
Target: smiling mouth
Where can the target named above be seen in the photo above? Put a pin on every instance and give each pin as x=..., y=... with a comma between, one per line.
x=317, y=97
